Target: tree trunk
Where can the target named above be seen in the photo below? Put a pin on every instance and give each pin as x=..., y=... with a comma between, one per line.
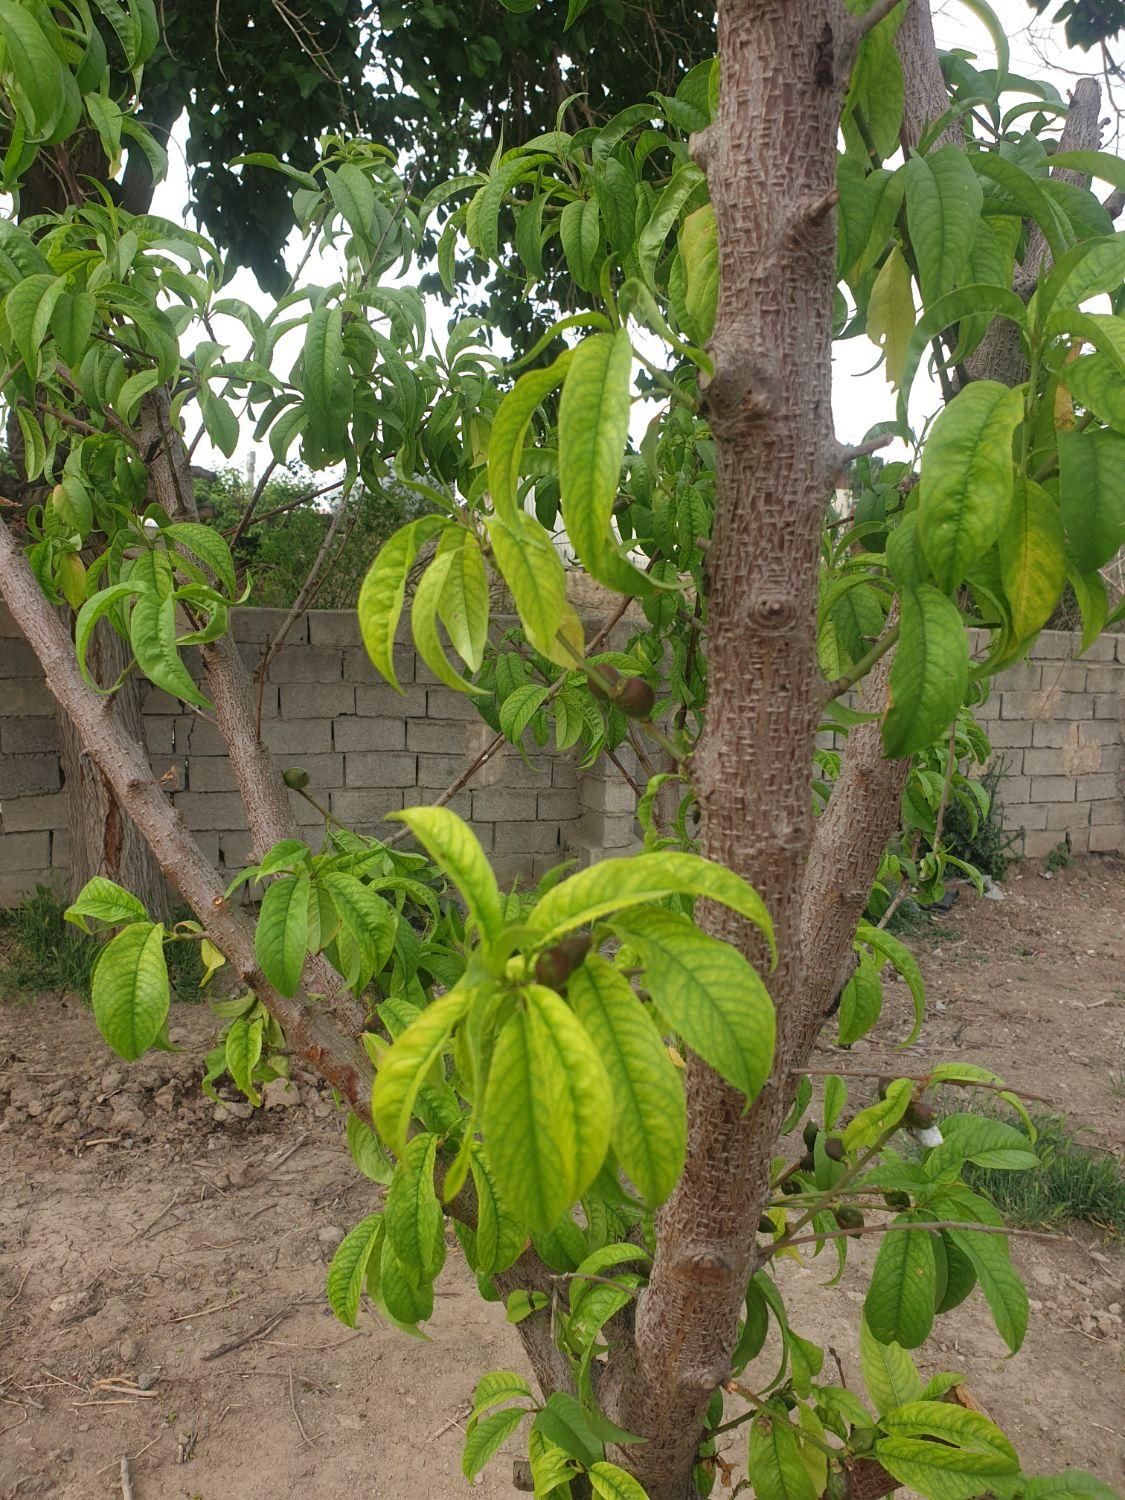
x=771, y=160
x=103, y=839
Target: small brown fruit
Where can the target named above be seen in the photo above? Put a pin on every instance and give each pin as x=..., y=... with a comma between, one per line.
x=296, y=777
x=766, y=1226
x=635, y=698
x=834, y=1149
x=790, y=1187
x=808, y=1162
x=554, y=966
x=920, y=1115
x=897, y=1200
x=810, y=1133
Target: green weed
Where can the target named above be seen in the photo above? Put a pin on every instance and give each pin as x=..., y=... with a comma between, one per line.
x=1075, y=1183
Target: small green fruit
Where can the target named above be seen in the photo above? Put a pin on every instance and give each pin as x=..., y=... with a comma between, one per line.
x=849, y=1218
x=790, y=1187
x=296, y=777
x=766, y=1225
x=808, y=1162
x=897, y=1200
x=810, y=1133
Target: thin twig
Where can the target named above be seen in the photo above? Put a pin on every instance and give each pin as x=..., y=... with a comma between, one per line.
x=937, y=1224
x=861, y=668
x=305, y=1439
x=152, y=1223
x=205, y=1312
x=126, y=1479
x=255, y=1333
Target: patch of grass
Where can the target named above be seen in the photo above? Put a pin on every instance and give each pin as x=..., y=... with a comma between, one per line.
x=1075, y=1182
x=41, y=952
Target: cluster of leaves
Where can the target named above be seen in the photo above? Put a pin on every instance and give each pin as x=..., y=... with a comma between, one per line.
x=1088, y=22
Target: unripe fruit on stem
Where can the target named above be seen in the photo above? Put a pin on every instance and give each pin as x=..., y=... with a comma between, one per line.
x=554, y=966
x=635, y=699
x=834, y=1149
x=766, y=1226
x=790, y=1187
x=849, y=1218
x=606, y=683
x=897, y=1200
x=296, y=777
x=808, y=1162
x=810, y=1133
x=920, y=1115
x=884, y=1085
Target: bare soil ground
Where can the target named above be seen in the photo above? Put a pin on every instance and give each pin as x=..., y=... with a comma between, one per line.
x=162, y=1259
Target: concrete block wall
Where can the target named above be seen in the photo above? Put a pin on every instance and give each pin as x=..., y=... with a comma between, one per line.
x=1058, y=721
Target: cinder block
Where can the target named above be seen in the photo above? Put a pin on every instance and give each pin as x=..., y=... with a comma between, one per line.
x=28, y=814
x=1100, y=732
x=28, y=775
x=263, y=624
x=561, y=805
x=325, y=771
x=208, y=773
x=378, y=700
x=1065, y=677
x=1048, y=734
x=28, y=736
x=21, y=853
x=379, y=769
x=1107, y=678
x=1079, y=840
x=271, y=706
x=299, y=736
x=607, y=792
x=514, y=771
x=1104, y=814
x=1052, y=789
x=1038, y=843
x=236, y=850
x=27, y=698
x=461, y=803
x=439, y=770
x=156, y=701
x=325, y=700
x=8, y=626
x=1055, y=645
x=1014, y=790
x=1069, y=815
x=196, y=736
x=1096, y=787
x=60, y=849
x=513, y=868
x=501, y=805
x=1044, y=763
x=160, y=733
x=527, y=838
x=615, y=832
x=304, y=813
x=334, y=627
x=1100, y=650
x=170, y=771
x=1109, y=838
x=211, y=810
x=297, y=663
x=369, y=734
x=1075, y=706
x=1033, y=815
x=358, y=666
x=1025, y=677
x=18, y=883
x=444, y=703
x=1011, y=734
x=564, y=772
x=19, y=660
x=436, y=736
x=363, y=809
x=1108, y=706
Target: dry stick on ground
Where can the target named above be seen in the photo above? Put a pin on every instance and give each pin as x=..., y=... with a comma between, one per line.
x=126, y=1480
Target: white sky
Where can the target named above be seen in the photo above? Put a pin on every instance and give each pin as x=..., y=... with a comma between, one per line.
x=861, y=396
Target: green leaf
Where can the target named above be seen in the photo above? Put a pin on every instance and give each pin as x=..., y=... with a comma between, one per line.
x=349, y=1266
x=1090, y=268
x=509, y=428
x=860, y=1003
x=408, y=1063
x=776, y=1468
x=889, y=1373
x=534, y=572
x=967, y=477
x=34, y=445
x=1096, y=383
x=243, y=1049
x=1003, y=1290
x=1092, y=496
x=943, y=204
x=613, y=1483
x=614, y=884
x=71, y=322
x=128, y=398
x=130, y=990
x=1028, y=197
x=966, y=302
x=960, y=1278
x=699, y=252
x=325, y=379
x=105, y=902
x=462, y=604
x=367, y=919
x=282, y=934
x=593, y=428
x=930, y=673
x=354, y=197
x=899, y=956
x=501, y=1239
x=208, y=546
x=547, y=1109
x=708, y=992
x=899, y=1307
x=413, y=1213
x=551, y=1467
x=649, y=1124
x=453, y=845
x=488, y=1436
x=498, y=1386
x=219, y=421
x=35, y=75
x=431, y=591
x=970, y=1450
x=1072, y=1484
x=581, y=237
x=152, y=634
x=563, y=1422
x=366, y=1151
x=28, y=308
x=992, y=1144
x=1032, y=557
x=384, y=587
x=519, y=708
x=890, y=314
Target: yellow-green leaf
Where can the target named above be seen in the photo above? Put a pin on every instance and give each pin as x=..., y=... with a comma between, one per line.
x=930, y=673
x=383, y=590
x=455, y=847
x=406, y=1066
x=699, y=252
x=1032, y=557
x=890, y=314
x=130, y=991
x=534, y=572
